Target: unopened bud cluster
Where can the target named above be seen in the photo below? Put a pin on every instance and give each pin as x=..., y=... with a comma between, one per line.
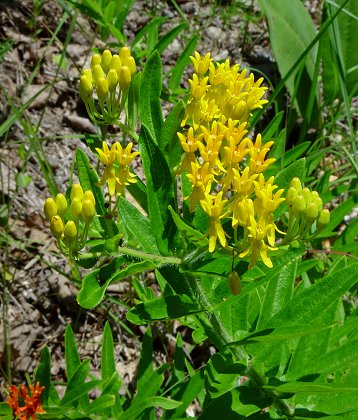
x=110, y=77
x=306, y=211
x=69, y=222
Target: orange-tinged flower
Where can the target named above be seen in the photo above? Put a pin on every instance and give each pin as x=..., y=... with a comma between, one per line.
x=26, y=405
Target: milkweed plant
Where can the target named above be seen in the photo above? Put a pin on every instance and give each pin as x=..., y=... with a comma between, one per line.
x=198, y=198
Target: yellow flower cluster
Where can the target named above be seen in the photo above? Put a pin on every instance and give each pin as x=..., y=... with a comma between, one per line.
x=111, y=76
x=116, y=161
x=225, y=168
x=65, y=219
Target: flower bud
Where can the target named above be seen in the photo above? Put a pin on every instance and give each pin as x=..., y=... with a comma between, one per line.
x=97, y=73
x=112, y=80
x=76, y=191
x=130, y=63
x=115, y=63
x=86, y=87
x=323, y=219
x=88, y=195
x=105, y=60
x=311, y=212
x=299, y=204
x=296, y=184
x=307, y=195
x=61, y=203
x=124, y=52
x=96, y=60
x=88, y=210
x=70, y=231
x=234, y=283
x=50, y=208
x=88, y=73
x=76, y=207
x=291, y=196
x=102, y=88
x=56, y=227
x=124, y=77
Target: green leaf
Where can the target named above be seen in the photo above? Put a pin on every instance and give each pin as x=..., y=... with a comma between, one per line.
x=296, y=169
x=76, y=384
x=150, y=89
x=169, y=142
x=337, y=216
x=77, y=391
x=271, y=130
x=278, y=292
x=88, y=179
x=308, y=304
x=43, y=373
x=342, y=357
x=337, y=50
x=160, y=191
x=239, y=403
x=166, y=39
x=133, y=102
x=92, y=293
x=158, y=402
x=154, y=23
x=298, y=387
x=169, y=307
x=312, y=346
x=100, y=403
x=22, y=180
x=5, y=410
x=145, y=367
x=291, y=32
x=182, y=62
x=186, y=394
x=72, y=357
x=108, y=364
x=193, y=235
x=138, y=226
x=273, y=335
x=221, y=374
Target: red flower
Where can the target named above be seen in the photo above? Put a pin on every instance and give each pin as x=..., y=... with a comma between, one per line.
x=28, y=405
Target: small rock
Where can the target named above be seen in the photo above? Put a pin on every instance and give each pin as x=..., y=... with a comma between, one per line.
x=40, y=100
x=213, y=32
x=79, y=123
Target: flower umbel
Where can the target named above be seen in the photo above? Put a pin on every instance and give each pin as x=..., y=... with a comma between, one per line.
x=24, y=404
x=110, y=77
x=226, y=167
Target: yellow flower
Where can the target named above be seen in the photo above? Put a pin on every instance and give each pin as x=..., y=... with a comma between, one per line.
x=258, y=162
x=214, y=206
x=201, y=179
x=201, y=64
x=107, y=156
x=125, y=156
x=116, y=172
x=198, y=87
x=258, y=232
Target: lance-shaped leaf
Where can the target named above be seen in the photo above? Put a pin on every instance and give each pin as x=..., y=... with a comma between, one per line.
x=160, y=192
x=149, y=96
